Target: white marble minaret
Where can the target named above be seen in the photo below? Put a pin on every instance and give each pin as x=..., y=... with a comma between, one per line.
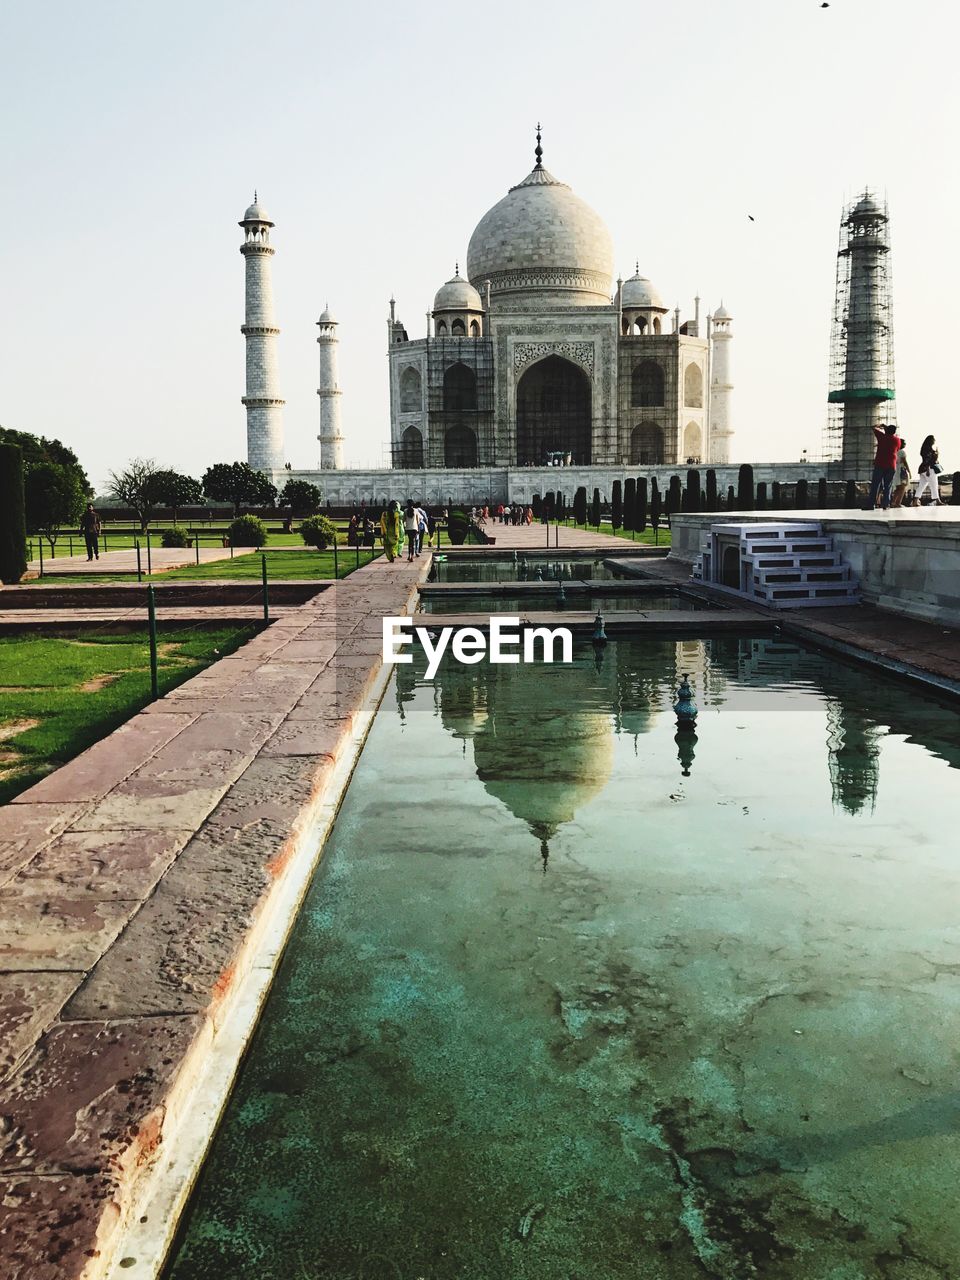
x=721, y=388
x=264, y=406
x=331, y=436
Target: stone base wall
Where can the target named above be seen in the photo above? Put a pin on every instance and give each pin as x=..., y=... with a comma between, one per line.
x=435, y=485
x=908, y=563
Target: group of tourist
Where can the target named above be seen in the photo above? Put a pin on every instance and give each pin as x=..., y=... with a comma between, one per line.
x=412, y=526
x=891, y=464
x=516, y=515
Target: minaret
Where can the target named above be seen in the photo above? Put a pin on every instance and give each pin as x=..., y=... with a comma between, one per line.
x=331, y=436
x=720, y=385
x=264, y=406
x=861, y=346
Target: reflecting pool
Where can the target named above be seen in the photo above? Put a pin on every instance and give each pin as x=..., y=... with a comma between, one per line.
x=578, y=601
x=524, y=569
x=573, y=995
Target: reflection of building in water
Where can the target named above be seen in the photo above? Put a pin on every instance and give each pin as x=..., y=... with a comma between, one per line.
x=698, y=660
x=853, y=744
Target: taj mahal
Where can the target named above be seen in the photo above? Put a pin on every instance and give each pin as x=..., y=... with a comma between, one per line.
x=534, y=357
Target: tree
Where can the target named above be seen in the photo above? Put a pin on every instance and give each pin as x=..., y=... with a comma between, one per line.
x=238, y=483
x=13, y=529
x=616, y=506
x=595, y=509
x=712, y=503
x=630, y=504
x=656, y=504
x=134, y=487
x=580, y=506
x=822, y=494
x=745, y=488
x=801, y=497
x=302, y=497
x=640, y=516
x=691, y=497
x=54, y=497
x=38, y=449
x=171, y=489
x=674, y=496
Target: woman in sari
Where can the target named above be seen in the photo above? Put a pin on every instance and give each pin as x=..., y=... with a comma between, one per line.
x=391, y=527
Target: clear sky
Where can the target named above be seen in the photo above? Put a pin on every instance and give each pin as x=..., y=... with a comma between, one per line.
x=378, y=134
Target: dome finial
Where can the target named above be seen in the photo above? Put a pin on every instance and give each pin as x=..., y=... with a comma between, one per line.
x=255, y=195
x=636, y=266
x=456, y=269
x=538, y=151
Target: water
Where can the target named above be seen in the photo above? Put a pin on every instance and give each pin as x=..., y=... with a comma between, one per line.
x=506, y=570
x=546, y=602
x=572, y=997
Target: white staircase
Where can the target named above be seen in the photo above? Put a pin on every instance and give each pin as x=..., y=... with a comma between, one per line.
x=786, y=565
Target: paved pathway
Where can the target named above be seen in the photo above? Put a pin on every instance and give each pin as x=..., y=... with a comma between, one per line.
x=136, y=885
x=533, y=537
x=126, y=561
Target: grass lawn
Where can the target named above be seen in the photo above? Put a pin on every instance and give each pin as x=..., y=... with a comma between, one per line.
x=60, y=695
x=647, y=537
x=305, y=565
x=280, y=565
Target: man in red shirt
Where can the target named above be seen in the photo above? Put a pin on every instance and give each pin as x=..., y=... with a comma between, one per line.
x=884, y=464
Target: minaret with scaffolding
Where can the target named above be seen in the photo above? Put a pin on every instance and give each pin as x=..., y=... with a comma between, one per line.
x=861, y=345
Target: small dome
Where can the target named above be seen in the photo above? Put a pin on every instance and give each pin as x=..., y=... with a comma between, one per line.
x=327, y=316
x=257, y=213
x=457, y=295
x=722, y=313
x=639, y=292
x=867, y=207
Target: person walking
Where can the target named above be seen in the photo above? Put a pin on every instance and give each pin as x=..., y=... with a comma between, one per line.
x=391, y=529
x=411, y=527
x=904, y=475
x=884, y=463
x=423, y=528
x=90, y=528
x=928, y=471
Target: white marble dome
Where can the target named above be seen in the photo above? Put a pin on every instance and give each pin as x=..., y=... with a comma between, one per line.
x=542, y=239
x=457, y=295
x=257, y=213
x=639, y=292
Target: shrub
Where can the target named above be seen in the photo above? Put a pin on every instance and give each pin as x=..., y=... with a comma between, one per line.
x=13, y=529
x=247, y=531
x=801, y=497
x=691, y=499
x=458, y=525
x=822, y=493
x=175, y=537
x=319, y=532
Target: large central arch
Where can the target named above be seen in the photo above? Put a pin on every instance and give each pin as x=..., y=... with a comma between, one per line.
x=553, y=412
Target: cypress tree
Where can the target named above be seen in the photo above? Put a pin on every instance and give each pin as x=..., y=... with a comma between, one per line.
x=630, y=505
x=640, y=522
x=822, y=493
x=711, y=490
x=656, y=504
x=955, y=495
x=616, y=506
x=580, y=506
x=731, y=498
x=549, y=506
x=745, y=488
x=674, y=496
x=691, y=496
x=595, y=513
x=760, y=502
x=13, y=527
x=850, y=499
x=777, y=502
x=536, y=505
x=801, y=498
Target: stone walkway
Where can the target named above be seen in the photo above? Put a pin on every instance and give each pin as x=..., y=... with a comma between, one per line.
x=135, y=885
x=161, y=558
x=533, y=537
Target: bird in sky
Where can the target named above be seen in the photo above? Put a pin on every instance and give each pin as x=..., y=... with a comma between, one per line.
x=825, y=5
x=751, y=217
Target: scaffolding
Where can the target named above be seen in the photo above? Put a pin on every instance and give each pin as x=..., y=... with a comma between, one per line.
x=861, y=391
x=459, y=407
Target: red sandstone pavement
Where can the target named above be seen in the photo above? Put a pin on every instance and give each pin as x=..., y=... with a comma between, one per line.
x=130, y=880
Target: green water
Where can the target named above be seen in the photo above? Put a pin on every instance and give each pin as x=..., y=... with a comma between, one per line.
x=577, y=601
x=570, y=998
x=523, y=569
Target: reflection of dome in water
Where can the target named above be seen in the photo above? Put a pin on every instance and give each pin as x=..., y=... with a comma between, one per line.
x=546, y=770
